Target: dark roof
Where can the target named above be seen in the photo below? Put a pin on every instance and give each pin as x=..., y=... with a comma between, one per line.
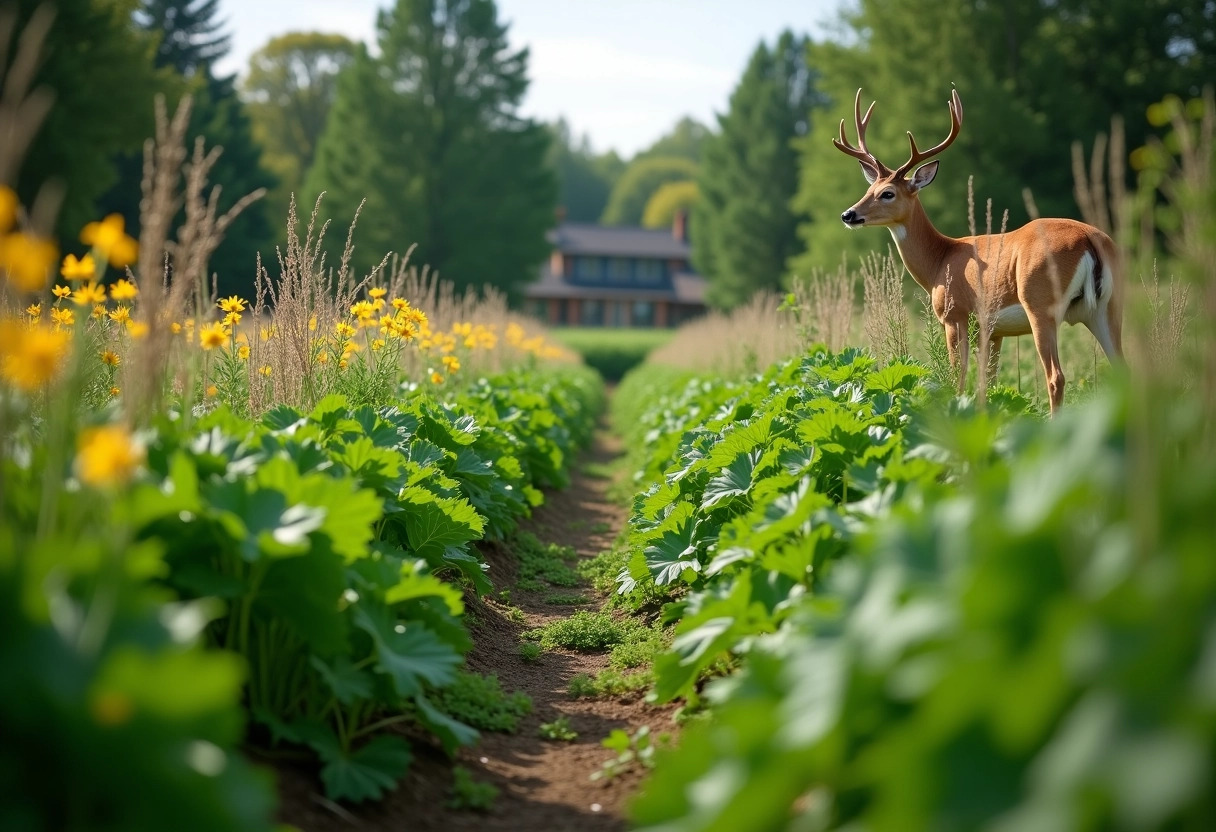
x=686, y=288
x=617, y=241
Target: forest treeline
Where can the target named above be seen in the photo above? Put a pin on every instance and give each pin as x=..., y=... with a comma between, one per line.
x=424, y=127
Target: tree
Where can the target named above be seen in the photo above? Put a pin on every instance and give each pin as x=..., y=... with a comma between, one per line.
x=744, y=229
x=98, y=66
x=639, y=182
x=289, y=89
x=584, y=178
x=189, y=40
x=429, y=132
x=669, y=200
x=191, y=36
x=686, y=140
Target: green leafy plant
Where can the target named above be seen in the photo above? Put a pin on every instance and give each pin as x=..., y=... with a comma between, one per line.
x=559, y=729
x=637, y=749
x=582, y=631
x=529, y=651
x=480, y=701
x=469, y=794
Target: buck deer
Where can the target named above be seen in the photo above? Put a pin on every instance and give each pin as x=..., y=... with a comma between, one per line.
x=1030, y=280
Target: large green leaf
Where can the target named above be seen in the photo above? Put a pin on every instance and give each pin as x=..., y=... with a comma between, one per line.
x=407, y=652
x=366, y=774
x=433, y=523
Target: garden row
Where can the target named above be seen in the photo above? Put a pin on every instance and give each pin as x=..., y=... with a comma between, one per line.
x=898, y=612
x=295, y=580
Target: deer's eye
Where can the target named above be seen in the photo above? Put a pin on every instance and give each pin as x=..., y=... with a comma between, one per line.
x=888, y=195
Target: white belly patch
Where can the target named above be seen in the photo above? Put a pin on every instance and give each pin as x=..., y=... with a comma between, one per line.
x=1011, y=320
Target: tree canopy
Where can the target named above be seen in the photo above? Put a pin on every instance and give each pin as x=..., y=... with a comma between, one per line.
x=584, y=178
x=670, y=199
x=638, y=183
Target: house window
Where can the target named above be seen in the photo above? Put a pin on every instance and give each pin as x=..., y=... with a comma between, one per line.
x=650, y=271
x=591, y=313
x=643, y=313
x=588, y=268
x=617, y=312
x=619, y=270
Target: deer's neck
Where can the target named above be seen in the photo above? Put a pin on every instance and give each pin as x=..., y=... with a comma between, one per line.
x=922, y=248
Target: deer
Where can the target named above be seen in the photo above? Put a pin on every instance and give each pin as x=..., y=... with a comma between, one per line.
x=1030, y=280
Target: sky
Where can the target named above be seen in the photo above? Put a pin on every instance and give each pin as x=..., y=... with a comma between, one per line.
x=620, y=71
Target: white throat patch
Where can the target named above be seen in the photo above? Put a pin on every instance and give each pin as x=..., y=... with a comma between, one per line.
x=899, y=232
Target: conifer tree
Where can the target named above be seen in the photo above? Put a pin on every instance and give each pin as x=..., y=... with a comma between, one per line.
x=744, y=229
x=429, y=132
x=192, y=37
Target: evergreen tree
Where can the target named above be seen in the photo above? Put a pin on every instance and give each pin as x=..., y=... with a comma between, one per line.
x=584, y=179
x=686, y=140
x=98, y=67
x=190, y=39
x=638, y=184
x=429, y=132
x=744, y=229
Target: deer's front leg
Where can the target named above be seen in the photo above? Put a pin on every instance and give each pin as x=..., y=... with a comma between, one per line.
x=959, y=349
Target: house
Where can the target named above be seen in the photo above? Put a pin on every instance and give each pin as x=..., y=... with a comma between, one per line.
x=617, y=276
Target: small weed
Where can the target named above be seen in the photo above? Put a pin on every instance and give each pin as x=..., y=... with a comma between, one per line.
x=639, y=649
x=582, y=631
x=638, y=749
x=558, y=729
x=541, y=564
x=467, y=793
x=515, y=614
x=504, y=596
x=608, y=682
x=566, y=600
x=480, y=701
x=529, y=651
x=602, y=571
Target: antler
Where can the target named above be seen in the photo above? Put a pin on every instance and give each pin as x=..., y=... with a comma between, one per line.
x=956, y=121
x=861, y=152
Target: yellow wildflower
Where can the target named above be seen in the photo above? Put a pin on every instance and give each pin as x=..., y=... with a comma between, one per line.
x=377, y=345
x=8, y=208
x=232, y=319
x=377, y=293
x=114, y=391
x=111, y=358
x=28, y=260
x=107, y=455
x=34, y=310
x=60, y=291
x=451, y=363
x=264, y=371
x=83, y=269
x=99, y=311
x=436, y=378
x=32, y=356
x=110, y=240
x=120, y=315
x=63, y=317
x=465, y=329
x=400, y=304
x=124, y=290
x=342, y=364
x=349, y=347
x=243, y=352
x=137, y=329
x=89, y=294
x=362, y=310
x=212, y=390
x=322, y=357
x=343, y=329
x=231, y=304
x=175, y=327
x=212, y=335
x=267, y=333
x=515, y=334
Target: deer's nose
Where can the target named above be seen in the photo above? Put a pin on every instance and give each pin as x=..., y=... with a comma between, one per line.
x=850, y=217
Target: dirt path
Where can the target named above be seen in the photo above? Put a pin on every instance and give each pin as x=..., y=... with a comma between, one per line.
x=543, y=784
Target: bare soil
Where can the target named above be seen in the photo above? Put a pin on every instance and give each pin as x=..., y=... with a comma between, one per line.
x=543, y=784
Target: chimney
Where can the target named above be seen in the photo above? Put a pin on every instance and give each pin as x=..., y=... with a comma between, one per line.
x=679, y=226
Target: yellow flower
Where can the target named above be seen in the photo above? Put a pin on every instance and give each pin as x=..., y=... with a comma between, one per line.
x=34, y=310
x=264, y=371
x=89, y=294
x=212, y=335
x=110, y=358
x=377, y=345
x=231, y=304
x=312, y=323
x=243, y=352
x=120, y=315
x=110, y=240
x=363, y=309
x=465, y=329
x=175, y=327
x=60, y=291
x=349, y=347
x=451, y=363
x=344, y=329
x=137, y=329
x=107, y=455
x=322, y=357
x=436, y=378
x=212, y=390
x=99, y=311
x=232, y=319
x=83, y=269
x=32, y=355
x=63, y=317
x=342, y=364
x=114, y=391
x=400, y=303
x=267, y=333
x=28, y=260
x=8, y=208
x=377, y=293
x=124, y=290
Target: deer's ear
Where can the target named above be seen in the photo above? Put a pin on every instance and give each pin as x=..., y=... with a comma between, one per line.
x=923, y=176
x=869, y=172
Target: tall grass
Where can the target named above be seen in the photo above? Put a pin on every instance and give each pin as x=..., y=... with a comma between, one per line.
x=732, y=343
